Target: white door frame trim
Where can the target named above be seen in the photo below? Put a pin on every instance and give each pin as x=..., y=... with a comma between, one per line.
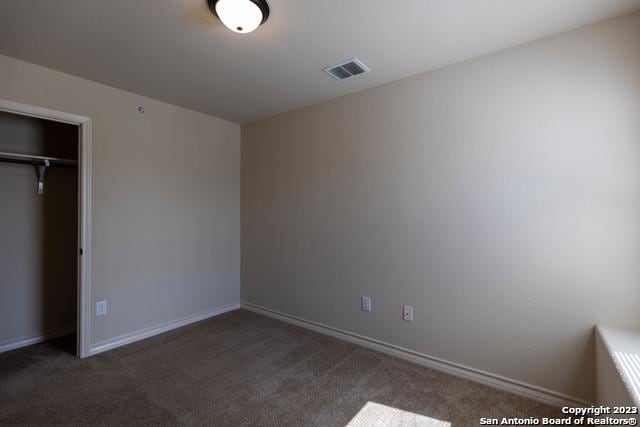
x=84, y=207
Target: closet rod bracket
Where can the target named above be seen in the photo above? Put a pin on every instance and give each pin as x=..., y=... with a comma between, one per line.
x=40, y=170
x=40, y=162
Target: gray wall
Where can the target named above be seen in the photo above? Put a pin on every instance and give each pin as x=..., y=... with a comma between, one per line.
x=500, y=197
x=166, y=199
x=38, y=248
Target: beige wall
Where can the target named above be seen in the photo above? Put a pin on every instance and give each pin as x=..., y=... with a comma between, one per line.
x=38, y=247
x=166, y=199
x=500, y=197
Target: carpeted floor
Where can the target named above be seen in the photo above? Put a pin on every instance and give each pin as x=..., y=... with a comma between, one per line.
x=237, y=369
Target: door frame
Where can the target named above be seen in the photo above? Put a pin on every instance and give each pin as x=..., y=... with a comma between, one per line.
x=83, y=331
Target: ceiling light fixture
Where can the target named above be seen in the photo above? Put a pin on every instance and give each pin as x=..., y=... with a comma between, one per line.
x=241, y=16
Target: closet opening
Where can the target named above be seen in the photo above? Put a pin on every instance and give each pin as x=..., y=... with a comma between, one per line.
x=43, y=223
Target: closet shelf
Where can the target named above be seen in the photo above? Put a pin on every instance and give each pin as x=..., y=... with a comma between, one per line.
x=37, y=160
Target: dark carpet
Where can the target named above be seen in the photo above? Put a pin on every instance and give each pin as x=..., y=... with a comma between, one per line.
x=237, y=369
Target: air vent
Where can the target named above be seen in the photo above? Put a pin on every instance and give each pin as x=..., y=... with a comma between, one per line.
x=346, y=70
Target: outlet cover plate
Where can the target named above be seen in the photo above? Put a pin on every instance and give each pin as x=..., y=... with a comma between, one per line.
x=366, y=304
x=407, y=313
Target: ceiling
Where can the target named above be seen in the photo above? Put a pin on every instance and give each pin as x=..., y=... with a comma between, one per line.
x=178, y=52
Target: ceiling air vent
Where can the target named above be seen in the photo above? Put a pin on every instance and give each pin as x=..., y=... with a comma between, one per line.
x=347, y=69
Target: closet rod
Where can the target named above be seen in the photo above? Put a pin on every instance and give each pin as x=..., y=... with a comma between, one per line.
x=37, y=160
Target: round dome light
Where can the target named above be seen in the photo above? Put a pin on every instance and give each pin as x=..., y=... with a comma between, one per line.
x=241, y=16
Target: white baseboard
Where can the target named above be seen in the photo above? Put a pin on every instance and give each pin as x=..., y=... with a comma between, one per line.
x=517, y=387
x=34, y=339
x=141, y=334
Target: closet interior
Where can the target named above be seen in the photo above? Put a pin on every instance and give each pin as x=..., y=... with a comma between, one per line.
x=39, y=229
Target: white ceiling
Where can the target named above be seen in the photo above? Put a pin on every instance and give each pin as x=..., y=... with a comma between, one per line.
x=177, y=51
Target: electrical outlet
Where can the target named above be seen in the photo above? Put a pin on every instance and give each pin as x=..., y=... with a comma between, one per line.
x=101, y=308
x=366, y=304
x=407, y=313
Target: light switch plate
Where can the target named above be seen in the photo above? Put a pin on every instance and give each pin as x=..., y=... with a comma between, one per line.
x=101, y=308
